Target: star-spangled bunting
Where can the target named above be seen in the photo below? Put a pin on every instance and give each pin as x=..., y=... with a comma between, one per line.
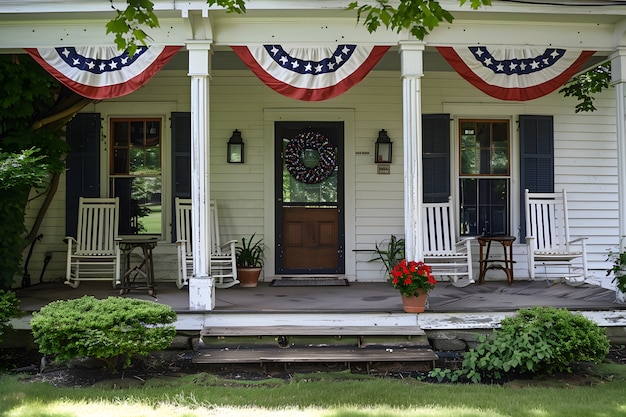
x=102, y=72
x=310, y=74
x=515, y=74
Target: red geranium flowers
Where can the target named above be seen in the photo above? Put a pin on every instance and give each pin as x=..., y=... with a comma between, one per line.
x=410, y=277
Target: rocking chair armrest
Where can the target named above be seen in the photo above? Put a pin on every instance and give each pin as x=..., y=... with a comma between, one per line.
x=464, y=241
x=69, y=240
x=230, y=243
x=181, y=241
x=579, y=239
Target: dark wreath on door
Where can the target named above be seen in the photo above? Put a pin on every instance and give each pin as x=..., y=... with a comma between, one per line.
x=310, y=234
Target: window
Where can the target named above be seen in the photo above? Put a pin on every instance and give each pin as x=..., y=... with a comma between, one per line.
x=135, y=174
x=484, y=176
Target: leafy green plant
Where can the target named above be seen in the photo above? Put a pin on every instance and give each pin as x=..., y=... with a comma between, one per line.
x=9, y=308
x=618, y=269
x=250, y=254
x=536, y=341
x=32, y=151
x=111, y=330
x=18, y=173
x=418, y=16
x=390, y=253
x=584, y=85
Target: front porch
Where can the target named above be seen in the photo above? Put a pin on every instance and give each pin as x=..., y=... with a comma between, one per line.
x=362, y=322
x=472, y=307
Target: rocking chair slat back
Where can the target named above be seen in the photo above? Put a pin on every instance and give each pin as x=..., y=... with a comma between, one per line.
x=95, y=252
x=547, y=220
x=97, y=226
x=438, y=229
x=448, y=256
x=551, y=251
x=222, y=258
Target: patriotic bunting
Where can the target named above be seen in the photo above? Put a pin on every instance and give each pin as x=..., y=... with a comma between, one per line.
x=310, y=74
x=102, y=72
x=515, y=74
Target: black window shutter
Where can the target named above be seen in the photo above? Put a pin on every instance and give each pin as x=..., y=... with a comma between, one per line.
x=83, y=165
x=537, y=159
x=436, y=157
x=181, y=160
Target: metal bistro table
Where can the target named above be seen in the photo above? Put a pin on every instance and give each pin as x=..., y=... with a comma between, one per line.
x=505, y=264
x=145, y=268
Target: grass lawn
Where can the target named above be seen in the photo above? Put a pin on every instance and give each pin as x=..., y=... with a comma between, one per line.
x=600, y=393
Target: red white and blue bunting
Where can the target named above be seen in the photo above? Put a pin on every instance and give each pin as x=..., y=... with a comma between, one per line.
x=102, y=72
x=515, y=74
x=310, y=74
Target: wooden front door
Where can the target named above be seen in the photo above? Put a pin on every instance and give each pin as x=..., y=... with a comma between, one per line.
x=310, y=235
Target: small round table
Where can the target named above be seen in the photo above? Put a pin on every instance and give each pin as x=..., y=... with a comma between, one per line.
x=505, y=264
x=145, y=268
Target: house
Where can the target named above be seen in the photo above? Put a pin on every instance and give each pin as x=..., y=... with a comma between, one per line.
x=482, y=149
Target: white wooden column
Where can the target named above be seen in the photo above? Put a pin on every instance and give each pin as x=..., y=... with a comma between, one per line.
x=618, y=75
x=201, y=285
x=412, y=72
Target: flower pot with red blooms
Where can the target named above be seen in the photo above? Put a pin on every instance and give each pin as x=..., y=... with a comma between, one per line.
x=414, y=280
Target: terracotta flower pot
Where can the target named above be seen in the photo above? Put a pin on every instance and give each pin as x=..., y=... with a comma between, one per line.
x=248, y=277
x=415, y=303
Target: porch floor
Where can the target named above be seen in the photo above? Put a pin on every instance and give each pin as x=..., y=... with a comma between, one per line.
x=492, y=296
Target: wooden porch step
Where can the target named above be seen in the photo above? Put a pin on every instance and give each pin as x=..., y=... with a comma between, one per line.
x=314, y=355
x=292, y=330
x=313, y=344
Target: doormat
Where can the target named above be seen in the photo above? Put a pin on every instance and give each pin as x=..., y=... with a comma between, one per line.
x=310, y=282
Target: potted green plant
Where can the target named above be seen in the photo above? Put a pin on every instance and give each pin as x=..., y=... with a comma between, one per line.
x=250, y=259
x=390, y=253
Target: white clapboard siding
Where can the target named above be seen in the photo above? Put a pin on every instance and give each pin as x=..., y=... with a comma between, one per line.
x=585, y=164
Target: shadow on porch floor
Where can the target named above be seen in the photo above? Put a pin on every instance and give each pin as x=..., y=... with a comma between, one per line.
x=492, y=296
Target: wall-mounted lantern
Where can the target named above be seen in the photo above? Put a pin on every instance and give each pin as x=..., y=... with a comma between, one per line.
x=234, y=153
x=383, y=148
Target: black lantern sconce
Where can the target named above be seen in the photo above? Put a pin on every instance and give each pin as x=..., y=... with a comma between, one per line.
x=234, y=153
x=383, y=148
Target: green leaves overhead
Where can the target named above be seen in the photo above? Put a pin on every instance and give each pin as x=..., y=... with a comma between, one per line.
x=584, y=85
x=231, y=6
x=420, y=17
x=127, y=25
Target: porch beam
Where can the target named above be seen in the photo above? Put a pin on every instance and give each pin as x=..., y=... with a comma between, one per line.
x=201, y=284
x=412, y=70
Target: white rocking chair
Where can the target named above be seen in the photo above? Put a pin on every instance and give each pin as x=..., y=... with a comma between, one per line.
x=95, y=253
x=548, y=240
x=448, y=256
x=223, y=263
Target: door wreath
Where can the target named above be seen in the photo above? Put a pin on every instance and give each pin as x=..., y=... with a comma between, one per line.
x=294, y=158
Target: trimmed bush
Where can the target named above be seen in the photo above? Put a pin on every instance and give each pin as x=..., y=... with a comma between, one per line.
x=110, y=330
x=536, y=341
x=9, y=308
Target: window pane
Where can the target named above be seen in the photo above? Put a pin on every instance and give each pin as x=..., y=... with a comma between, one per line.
x=484, y=206
x=484, y=151
x=484, y=147
x=136, y=174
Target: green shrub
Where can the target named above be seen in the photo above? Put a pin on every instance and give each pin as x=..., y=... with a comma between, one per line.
x=9, y=308
x=536, y=341
x=111, y=330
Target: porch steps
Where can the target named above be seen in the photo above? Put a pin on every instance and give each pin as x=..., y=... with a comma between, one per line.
x=313, y=344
